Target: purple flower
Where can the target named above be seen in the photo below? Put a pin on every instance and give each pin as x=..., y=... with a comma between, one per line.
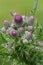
x=14, y=33
x=17, y=18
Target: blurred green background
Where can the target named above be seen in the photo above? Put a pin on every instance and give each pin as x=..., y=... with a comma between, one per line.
x=21, y=7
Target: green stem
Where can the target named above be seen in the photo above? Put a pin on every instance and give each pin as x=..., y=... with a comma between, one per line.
x=34, y=7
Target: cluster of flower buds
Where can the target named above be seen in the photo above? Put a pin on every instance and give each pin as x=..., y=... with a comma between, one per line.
x=22, y=26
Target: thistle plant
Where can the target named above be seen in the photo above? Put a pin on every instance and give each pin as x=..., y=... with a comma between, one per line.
x=21, y=42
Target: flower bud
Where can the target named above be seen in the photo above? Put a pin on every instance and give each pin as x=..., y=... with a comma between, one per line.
x=18, y=19
x=30, y=34
x=30, y=28
x=3, y=29
x=21, y=28
x=14, y=33
x=6, y=23
x=14, y=14
x=25, y=41
x=31, y=19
